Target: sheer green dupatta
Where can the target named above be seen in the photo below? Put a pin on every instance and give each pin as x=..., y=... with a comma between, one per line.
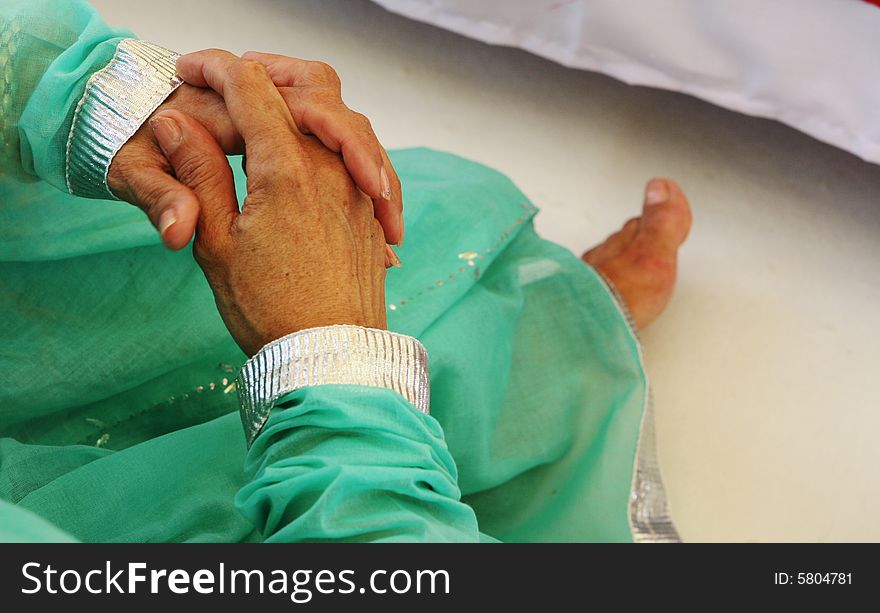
x=117, y=416
x=109, y=342
x=536, y=373
x=106, y=339
x=20, y=526
x=48, y=51
x=536, y=376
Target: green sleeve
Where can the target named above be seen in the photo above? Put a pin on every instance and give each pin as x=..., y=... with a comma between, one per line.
x=48, y=51
x=353, y=463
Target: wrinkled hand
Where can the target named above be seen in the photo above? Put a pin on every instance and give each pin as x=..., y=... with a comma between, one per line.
x=140, y=174
x=306, y=249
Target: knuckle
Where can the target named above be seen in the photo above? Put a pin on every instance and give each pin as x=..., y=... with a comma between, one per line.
x=363, y=123
x=361, y=119
x=252, y=67
x=324, y=73
x=217, y=52
x=196, y=171
x=245, y=72
x=327, y=100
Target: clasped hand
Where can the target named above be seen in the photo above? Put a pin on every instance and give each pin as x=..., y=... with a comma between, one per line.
x=312, y=93
x=306, y=249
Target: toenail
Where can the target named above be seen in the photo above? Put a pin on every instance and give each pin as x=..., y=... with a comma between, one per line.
x=656, y=192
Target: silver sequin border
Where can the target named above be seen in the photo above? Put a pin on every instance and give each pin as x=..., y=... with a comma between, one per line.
x=649, y=517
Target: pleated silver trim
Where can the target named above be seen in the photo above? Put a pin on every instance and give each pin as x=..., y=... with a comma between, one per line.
x=649, y=517
x=333, y=354
x=118, y=99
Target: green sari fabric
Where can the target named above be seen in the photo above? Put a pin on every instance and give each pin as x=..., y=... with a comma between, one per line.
x=118, y=415
x=49, y=49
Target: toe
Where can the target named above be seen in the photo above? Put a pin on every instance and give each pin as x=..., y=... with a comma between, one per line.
x=614, y=245
x=630, y=229
x=618, y=242
x=666, y=215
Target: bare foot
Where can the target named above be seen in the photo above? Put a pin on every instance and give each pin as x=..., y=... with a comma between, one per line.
x=640, y=260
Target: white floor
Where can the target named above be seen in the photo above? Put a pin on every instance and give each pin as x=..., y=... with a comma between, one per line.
x=764, y=365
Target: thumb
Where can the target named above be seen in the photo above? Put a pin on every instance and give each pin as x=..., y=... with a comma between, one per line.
x=202, y=168
x=172, y=207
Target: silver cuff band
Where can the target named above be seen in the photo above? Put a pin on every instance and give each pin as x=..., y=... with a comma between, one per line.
x=331, y=355
x=118, y=99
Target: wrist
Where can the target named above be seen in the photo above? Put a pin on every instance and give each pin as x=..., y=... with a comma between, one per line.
x=362, y=320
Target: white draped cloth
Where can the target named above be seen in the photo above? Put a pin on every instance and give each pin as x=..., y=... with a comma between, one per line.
x=812, y=64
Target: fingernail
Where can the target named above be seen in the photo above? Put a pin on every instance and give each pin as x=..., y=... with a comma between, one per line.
x=385, y=184
x=656, y=192
x=167, y=133
x=166, y=220
x=392, y=257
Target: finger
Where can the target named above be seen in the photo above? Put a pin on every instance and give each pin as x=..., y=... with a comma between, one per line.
x=363, y=155
x=349, y=133
x=256, y=108
x=172, y=207
x=200, y=164
x=323, y=114
x=381, y=275
x=389, y=211
x=391, y=258
x=341, y=130
x=209, y=109
x=292, y=72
